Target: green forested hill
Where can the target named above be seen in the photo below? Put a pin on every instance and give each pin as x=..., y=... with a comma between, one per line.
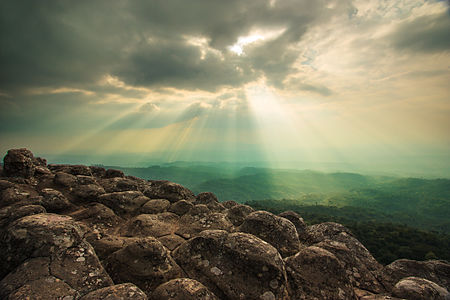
x=421, y=203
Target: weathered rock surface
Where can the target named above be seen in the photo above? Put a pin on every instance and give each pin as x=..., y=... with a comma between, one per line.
x=200, y=218
x=181, y=207
x=168, y=190
x=124, y=202
x=44, y=288
x=415, y=288
x=237, y=213
x=117, y=292
x=65, y=179
x=19, y=163
x=182, y=289
x=40, y=235
x=316, y=272
x=151, y=225
x=437, y=271
x=155, y=206
x=234, y=265
x=54, y=201
x=68, y=231
x=364, y=271
x=277, y=231
x=298, y=222
x=144, y=262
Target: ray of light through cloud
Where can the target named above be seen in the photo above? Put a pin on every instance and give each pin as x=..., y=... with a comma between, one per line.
x=348, y=82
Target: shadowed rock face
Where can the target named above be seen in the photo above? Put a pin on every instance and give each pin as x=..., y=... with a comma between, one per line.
x=68, y=231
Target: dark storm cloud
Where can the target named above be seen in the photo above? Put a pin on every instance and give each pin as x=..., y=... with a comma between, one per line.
x=143, y=43
x=424, y=34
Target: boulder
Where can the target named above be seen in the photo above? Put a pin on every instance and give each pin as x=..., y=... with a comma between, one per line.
x=11, y=213
x=229, y=204
x=437, y=271
x=80, y=267
x=118, y=184
x=123, y=291
x=155, y=206
x=107, y=244
x=298, y=222
x=238, y=213
x=5, y=184
x=180, y=207
x=112, y=173
x=144, y=262
x=43, y=289
x=19, y=163
x=98, y=214
x=318, y=273
x=88, y=192
x=31, y=270
x=19, y=195
x=364, y=271
x=182, y=289
x=71, y=169
x=210, y=200
x=200, y=218
x=65, y=179
x=54, y=201
x=151, y=225
x=97, y=171
x=234, y=265
x=171, y=241
x=277, y=231
x=124, y=203
x=168, y=190
x=83, y=180
x=415, y=288
x=41, y=171
x=323, y=231
x=35, y=236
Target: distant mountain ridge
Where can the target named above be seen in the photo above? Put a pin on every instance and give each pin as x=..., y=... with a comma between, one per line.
x=421, y=203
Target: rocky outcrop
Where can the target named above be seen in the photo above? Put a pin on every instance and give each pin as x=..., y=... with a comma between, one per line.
x=415, y=288
x=78, y=232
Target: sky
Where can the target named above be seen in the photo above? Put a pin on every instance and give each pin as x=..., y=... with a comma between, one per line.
x=345, y=81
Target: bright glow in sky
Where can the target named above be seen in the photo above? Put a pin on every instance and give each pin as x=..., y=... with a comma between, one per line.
x=338, y=81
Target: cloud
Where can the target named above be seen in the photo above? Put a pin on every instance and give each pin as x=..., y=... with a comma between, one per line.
x=194, y=110
x=430, y=33
x=149, y=107
x=300, y=85
x=146, y=43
